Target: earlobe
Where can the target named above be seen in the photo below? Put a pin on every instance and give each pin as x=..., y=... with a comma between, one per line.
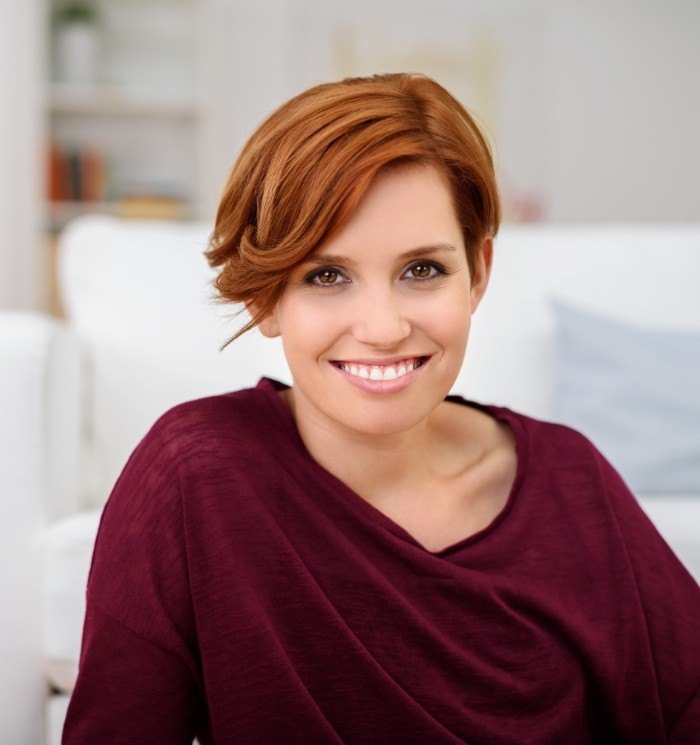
x=482, y=273
x=269, y=326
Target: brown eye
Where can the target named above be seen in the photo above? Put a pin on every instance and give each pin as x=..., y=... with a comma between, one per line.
x=421, y=271
x=327, y=276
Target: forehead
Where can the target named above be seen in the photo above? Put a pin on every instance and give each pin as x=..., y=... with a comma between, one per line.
x=405, y=207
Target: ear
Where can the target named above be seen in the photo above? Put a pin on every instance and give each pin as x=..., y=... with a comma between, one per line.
x=482, y=273
x=269, y=326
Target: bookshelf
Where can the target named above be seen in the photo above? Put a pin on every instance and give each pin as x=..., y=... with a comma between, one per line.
x=125, y=135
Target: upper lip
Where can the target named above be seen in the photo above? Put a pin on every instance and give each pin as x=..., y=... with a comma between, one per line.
x=380, y=361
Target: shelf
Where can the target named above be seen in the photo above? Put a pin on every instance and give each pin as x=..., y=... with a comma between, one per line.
x=105, y=100
x=60, y=213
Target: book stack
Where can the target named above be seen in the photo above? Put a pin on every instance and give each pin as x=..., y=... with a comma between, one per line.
x=76, y=174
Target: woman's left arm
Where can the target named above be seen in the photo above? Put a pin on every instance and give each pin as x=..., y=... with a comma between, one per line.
x=670, y=598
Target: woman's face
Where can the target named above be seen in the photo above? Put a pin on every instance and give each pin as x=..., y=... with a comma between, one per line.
x=375, y=324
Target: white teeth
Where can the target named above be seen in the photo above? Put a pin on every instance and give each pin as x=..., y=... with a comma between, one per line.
x=374, y=372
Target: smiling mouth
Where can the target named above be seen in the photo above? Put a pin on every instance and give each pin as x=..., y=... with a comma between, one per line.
x=381, y=372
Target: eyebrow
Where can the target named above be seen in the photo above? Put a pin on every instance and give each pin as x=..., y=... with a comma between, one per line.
x=418, y=252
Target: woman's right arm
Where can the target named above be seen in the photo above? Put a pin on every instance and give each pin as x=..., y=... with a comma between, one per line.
x=129, y=690
x=139, y=678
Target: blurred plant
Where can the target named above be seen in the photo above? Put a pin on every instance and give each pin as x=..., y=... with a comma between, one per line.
x=77, y=42
x=71, y=13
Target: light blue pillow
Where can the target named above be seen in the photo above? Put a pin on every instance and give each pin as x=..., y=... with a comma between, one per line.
x=634, y=392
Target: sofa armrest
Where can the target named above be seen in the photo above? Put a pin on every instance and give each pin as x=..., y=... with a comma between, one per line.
x=41, y=398
x=40, y=431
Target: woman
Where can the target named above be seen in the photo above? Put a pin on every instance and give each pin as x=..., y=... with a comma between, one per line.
x=362, y=557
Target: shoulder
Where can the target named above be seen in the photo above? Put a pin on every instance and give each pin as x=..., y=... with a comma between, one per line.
x=245, y=405
x=565, y=461
x=233, y=420
x=566, y=464
x=551, y=441
x=544, y=443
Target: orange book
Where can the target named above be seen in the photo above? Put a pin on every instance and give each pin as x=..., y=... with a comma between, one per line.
x=94, y=173
x=58, y=178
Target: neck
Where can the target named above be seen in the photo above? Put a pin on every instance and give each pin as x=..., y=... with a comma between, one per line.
x=375, y=466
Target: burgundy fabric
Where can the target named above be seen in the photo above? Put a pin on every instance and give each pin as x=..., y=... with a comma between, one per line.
x=241, y=593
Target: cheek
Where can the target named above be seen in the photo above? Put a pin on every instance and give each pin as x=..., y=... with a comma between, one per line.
x=308, y=327
x=449, y=316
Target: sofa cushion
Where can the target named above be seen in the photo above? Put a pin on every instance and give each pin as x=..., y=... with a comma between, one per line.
x=635, y=392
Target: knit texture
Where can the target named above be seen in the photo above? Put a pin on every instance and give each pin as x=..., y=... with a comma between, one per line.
x=241, y=593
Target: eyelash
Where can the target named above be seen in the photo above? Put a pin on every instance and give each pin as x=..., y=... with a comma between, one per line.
x=439, y=268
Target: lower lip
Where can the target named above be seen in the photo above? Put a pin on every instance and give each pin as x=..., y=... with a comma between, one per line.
x=383, y=386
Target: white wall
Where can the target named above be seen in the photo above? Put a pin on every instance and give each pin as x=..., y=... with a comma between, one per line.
x=624, y=110
x=594, y=105
x=21, y=153
x=252, y=70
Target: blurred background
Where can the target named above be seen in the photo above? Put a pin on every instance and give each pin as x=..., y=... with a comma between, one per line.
x=139, y=107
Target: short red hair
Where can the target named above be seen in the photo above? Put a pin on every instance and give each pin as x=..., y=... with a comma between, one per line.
x=306, y=168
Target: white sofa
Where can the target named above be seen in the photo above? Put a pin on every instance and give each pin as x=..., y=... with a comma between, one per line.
x=141, y=335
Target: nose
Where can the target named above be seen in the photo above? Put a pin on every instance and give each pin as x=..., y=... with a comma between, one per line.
x=380, y=321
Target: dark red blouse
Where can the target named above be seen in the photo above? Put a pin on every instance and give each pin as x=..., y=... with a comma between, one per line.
x=241, y=593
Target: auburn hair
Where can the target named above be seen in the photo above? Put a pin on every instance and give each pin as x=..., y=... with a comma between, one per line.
x=306, y=168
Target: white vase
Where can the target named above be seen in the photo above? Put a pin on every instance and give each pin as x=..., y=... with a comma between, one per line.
x=77, y=52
